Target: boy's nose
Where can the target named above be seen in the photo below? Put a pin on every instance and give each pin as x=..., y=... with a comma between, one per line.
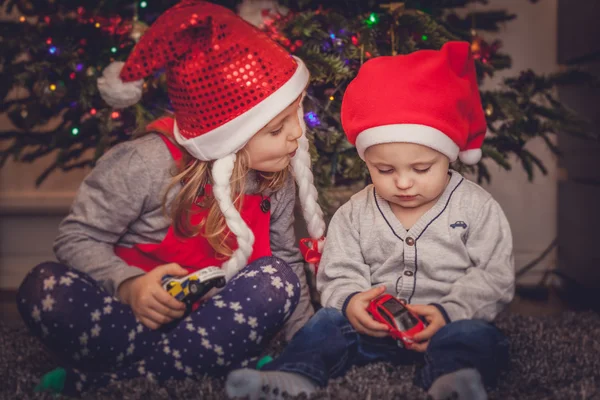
x=403, y=183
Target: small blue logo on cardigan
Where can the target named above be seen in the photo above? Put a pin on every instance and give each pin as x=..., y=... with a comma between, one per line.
x=459, y=224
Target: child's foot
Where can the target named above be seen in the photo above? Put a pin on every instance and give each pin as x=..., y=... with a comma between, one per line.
x=464, y=384
x=269, y=385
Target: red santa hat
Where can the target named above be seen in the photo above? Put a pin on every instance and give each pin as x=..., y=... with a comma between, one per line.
x=428, y=97
x=226, y=80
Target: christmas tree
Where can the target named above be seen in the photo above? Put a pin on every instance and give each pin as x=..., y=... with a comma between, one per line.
x=53, y=52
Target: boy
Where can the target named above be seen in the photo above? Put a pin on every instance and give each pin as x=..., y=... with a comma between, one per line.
x=420, y=232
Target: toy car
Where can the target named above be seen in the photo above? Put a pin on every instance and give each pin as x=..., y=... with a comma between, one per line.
x=457, y=224
x=192, y=287
x=390, y=311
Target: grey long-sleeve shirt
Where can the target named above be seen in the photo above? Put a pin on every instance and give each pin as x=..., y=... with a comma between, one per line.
x=120, y=203
x=458, y=254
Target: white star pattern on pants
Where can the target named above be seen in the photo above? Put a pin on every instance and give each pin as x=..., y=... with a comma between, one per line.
x=220, y=303
x=276, y=281
x=253, y=334
x=83, y=339
x=268, y=269
x=35, y=314
x=253, y=322
x=66, y=281
x=96, y=330
x=235, y=306
x=289, y=288
x=48, y=303
x=96, y=315
x=49, y=283
x=239, y=318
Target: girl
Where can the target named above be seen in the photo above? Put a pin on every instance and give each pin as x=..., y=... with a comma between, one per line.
x=221, y=169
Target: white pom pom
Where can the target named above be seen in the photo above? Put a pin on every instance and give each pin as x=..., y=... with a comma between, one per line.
x=114, y=91
x=470, y=157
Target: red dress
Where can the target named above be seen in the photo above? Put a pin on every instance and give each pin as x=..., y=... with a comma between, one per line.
x=196, y=253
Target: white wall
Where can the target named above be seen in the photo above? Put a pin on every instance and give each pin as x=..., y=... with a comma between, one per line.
x=29, y=216
x=531, y=207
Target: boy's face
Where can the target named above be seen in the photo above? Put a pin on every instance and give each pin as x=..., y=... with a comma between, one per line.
x=407, y=175
x=272, y=148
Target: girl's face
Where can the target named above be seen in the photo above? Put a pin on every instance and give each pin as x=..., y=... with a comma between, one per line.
x=272, y=148
x=407, y=175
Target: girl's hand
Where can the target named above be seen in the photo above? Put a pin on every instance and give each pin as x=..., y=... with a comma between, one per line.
x=435, y=321
x=361, y=320
x=150, y=303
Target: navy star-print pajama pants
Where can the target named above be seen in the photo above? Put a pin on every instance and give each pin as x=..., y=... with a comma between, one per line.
x=98, y=339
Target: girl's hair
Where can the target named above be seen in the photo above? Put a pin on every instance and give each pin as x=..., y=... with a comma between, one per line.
x=193, y=175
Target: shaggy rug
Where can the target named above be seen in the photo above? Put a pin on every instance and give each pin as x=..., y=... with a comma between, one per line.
x=554, y=357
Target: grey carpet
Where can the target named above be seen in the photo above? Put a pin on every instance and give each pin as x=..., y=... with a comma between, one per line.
x=554, y=357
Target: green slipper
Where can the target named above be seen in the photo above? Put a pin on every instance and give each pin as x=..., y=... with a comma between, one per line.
x=265, y=360
x=53, y=381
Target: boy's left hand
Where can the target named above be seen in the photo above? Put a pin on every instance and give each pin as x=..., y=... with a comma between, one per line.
x=435, y=321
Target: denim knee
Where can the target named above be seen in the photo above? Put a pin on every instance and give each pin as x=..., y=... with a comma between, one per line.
x=327, y=317
x=467, y=330
x=478, y=336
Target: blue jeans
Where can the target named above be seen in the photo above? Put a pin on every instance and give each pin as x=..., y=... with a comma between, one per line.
x=327, y=346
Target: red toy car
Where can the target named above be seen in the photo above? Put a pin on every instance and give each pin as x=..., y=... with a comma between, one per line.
x=390, y=311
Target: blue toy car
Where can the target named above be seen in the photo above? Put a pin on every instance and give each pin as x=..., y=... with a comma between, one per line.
x=459, y=224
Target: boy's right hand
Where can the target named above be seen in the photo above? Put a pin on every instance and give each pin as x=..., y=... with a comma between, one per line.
x=150, y=303
x=361, y=320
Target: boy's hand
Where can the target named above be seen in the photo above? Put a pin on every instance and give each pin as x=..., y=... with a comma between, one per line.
x=150, y=303
x=361, y=320
x=435, y=321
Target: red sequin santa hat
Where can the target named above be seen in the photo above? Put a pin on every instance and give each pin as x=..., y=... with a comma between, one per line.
x=428, y=97
x=226, y=80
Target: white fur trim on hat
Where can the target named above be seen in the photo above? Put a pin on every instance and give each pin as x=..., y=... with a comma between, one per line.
x=232, y=136
x=470, y=157
x=407, y=133
x=114, y=91
x=221, y=172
